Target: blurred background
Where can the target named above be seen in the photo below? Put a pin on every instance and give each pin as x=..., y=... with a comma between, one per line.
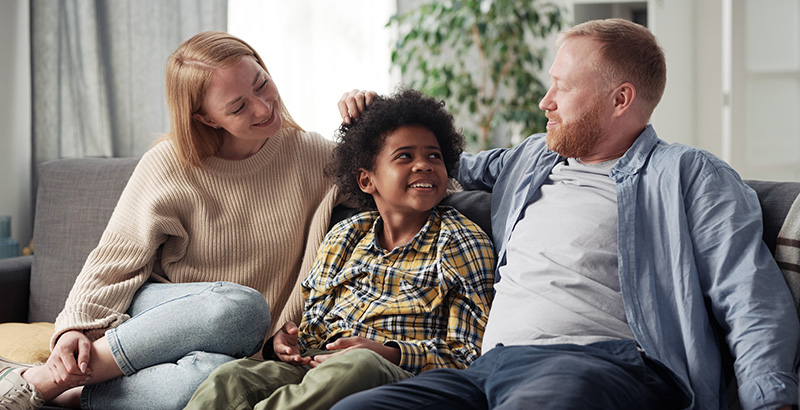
x=84, y=78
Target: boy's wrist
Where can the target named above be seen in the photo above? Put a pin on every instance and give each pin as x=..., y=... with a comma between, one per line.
x=394, y=353
x=268, y=351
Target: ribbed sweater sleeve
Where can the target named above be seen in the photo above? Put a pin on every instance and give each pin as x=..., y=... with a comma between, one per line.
x=257, y=222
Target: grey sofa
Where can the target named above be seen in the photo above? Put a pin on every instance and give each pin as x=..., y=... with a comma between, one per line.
x=76, y=197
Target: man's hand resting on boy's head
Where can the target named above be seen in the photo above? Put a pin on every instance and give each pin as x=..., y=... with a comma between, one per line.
x=354, y=103
x=285, y=346
x=347, y=344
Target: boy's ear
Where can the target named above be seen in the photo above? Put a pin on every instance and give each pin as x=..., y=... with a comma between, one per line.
x=365, y=181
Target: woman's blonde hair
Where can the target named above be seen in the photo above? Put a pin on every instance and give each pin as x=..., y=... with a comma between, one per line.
x=629, y=53
x=189, y=71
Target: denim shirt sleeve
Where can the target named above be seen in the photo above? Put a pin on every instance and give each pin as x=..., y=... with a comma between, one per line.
x=480, y=171
x=748, y=295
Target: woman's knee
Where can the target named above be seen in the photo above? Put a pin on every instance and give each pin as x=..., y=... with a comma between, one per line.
x=236, y=311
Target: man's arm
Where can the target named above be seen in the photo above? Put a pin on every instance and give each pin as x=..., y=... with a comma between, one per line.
x=749, y=297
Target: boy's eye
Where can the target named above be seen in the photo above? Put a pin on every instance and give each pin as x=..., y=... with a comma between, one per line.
x=403, y=155
x=435, y=155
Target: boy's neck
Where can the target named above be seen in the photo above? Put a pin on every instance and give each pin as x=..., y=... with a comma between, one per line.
x=399, y=228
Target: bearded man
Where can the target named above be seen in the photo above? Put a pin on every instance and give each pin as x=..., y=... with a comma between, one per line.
x=622, y=260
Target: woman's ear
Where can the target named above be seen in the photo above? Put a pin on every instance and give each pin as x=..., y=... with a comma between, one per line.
x=364, y=179
x=205, y=120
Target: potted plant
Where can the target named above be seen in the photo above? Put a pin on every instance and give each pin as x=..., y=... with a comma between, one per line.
x=483, y=57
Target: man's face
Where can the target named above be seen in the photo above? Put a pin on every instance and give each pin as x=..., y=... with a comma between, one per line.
x=577, y=104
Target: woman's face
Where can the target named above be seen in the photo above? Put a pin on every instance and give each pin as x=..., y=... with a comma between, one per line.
x=244, y=101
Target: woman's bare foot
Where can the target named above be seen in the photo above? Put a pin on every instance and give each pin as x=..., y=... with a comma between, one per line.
x=70, y=399
x=41, y=377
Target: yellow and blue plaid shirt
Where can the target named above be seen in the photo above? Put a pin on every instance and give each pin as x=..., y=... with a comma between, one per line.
x=430, y=297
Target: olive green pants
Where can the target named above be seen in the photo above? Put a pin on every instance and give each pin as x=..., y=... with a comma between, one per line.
x=254, y=384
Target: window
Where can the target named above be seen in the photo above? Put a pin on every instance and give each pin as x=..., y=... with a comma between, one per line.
x=317, y=50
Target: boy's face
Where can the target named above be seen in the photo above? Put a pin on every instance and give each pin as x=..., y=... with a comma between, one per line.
x=409, y=177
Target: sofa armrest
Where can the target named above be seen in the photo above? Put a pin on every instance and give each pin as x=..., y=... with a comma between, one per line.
x=15, y=279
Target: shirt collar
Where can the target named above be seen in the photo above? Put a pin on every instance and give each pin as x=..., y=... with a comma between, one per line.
x=636, y=156
x=422, y=242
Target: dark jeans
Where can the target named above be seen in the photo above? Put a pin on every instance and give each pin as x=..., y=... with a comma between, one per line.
x=605, y=375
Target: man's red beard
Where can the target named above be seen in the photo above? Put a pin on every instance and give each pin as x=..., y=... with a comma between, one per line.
x=577, y=138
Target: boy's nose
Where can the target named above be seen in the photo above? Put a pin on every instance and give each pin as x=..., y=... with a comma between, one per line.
x=422, y=166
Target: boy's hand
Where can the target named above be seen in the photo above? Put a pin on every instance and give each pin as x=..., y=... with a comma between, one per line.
x=354, y=103
x=285, y=346
x=347, y=344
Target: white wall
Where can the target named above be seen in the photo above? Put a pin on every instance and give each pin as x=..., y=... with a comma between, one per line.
x=15, y=119
x=318, y=50
x=672, y=22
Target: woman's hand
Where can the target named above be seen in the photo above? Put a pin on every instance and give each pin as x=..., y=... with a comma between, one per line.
x=347, y=344
x=285, y=345
x=69, y=361
x=354, y=103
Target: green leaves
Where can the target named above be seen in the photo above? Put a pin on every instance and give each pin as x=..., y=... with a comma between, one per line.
x=483, y=57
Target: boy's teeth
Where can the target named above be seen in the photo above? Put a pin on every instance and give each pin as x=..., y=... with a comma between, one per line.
x=422, y=186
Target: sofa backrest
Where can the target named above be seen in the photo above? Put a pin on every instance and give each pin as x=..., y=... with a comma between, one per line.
x=74, y=202
x=76, y=197
x=776, y=199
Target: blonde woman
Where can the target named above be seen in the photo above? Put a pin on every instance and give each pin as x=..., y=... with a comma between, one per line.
x=203, y=252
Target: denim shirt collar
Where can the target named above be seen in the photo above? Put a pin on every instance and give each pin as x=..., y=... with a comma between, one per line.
x=636, y=156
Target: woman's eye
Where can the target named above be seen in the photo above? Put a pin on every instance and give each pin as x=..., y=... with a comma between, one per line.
x=262, y=84
x=238, y=110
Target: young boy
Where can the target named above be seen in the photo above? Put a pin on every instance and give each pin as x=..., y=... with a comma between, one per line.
x=392, y=293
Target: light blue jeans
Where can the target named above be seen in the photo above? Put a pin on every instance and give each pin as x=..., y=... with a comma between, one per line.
x=177, y=335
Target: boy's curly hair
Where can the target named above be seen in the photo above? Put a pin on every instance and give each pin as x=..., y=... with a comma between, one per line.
x=361, y=141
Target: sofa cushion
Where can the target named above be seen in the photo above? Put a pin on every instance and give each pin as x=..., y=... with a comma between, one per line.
x=26, y=343
x=74, y=202
x=776, y=198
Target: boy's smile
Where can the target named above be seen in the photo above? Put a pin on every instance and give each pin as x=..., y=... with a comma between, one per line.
x=408, y=178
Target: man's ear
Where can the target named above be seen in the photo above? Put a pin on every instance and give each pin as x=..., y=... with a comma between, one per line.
x=205, y=120
x=624, y=96
x=364, y=179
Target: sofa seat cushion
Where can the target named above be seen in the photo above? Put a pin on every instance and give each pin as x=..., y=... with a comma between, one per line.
x=26, y=343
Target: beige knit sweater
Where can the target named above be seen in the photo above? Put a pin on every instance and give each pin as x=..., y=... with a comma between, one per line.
x=257, y=222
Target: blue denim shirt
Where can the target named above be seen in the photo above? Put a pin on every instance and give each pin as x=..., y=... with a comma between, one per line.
x=691, y=255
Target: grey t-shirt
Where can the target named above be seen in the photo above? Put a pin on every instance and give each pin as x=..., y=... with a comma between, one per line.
x=561, y=282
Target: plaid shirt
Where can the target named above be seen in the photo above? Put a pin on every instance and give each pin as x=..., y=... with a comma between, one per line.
x=430, y=297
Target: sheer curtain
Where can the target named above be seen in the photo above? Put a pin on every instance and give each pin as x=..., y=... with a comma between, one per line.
x=98, y=71
x=316, y=50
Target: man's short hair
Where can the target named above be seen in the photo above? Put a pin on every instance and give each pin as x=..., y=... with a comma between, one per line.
x=629, y=52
